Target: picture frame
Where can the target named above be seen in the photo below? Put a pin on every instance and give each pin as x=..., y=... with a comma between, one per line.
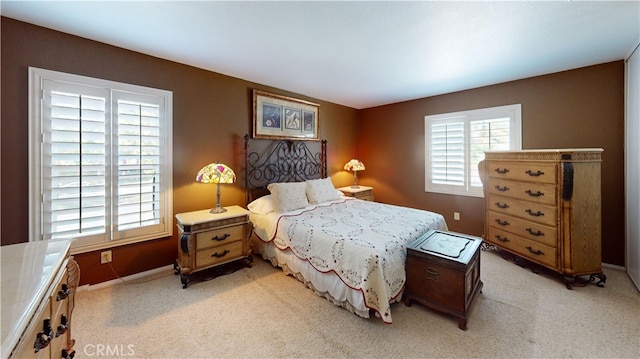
x=282, y=117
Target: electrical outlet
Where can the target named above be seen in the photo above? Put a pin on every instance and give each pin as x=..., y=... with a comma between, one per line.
x=105, y=257
x=456, y=216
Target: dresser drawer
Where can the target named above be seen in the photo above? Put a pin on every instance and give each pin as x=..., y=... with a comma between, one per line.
x=533, y=231
x=530, y=211
x=534, y=172
x=215, y=255
x=535, y=251
x=528, y=191
x=219, y=237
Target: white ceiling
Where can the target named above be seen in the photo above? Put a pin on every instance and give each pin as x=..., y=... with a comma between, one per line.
x=358, y=54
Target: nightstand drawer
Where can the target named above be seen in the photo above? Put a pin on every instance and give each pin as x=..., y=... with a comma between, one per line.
x=220, y=254
x=218, y=237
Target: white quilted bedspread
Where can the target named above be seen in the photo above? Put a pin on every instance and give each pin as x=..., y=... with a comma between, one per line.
x=363, y=242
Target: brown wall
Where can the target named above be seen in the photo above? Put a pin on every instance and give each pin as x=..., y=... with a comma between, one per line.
x=207, y=107
x=571, y=109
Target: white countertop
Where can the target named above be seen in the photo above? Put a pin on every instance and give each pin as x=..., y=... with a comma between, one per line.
x=28, y=270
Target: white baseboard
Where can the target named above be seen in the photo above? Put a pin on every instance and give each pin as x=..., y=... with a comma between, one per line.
x=613, y=266
x=156, y=272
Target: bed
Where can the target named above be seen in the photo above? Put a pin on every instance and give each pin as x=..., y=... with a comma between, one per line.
x=350, y=251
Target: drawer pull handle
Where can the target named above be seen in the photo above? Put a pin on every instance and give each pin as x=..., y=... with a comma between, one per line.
x=502, y=205
x=220, y=239
x=536, y=252
x=502, y=239
x=534, y=174
x=531, y=232
x=220, y=255
x=502, y=223
x=44, y=337
x=63, y=293
x=537, y=194
x=498, y=170
x=62, y=328
x=432, y=274
x=502, y=189
x=535, y=214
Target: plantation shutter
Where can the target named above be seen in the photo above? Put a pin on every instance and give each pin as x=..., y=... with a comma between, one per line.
x=74, y=161
x=138, y=160
x=447, y=153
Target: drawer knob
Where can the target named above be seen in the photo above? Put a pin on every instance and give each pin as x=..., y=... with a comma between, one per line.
x=535, y=214
x=502, y=239
x=536, y=252
x=502, y=189
x=63, y=293
x=534, y=174
x=532, y=194
x=44, y=337
x=503, y=171
x=220, y=255
x=502, y=205
x=221, y=238
x=501, y=222
x=531, y=232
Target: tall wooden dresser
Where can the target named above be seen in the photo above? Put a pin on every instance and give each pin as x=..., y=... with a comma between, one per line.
x=544, y=205
x=39, y=281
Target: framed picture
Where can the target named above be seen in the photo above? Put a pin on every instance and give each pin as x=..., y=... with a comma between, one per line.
x=278, y=117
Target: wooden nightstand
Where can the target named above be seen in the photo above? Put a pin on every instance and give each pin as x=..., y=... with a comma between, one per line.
x=209, y=240
x=362, y=192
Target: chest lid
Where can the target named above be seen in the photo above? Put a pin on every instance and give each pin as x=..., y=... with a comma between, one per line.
x=449, y=245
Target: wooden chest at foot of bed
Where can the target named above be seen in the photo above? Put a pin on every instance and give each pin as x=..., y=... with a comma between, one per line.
x=443, y=273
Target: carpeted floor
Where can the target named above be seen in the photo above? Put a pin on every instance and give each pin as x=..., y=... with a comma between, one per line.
x=259, y=312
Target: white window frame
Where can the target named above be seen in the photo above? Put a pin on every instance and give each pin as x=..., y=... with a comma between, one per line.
x=513, y=112
x=37, y=78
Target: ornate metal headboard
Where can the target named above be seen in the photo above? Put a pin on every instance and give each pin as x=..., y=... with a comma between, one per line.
x=281, y=161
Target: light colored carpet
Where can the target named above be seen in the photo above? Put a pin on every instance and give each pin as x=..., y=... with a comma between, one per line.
x=259, y=312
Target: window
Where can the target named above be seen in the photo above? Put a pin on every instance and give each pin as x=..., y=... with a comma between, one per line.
x=455, y=144
x=100, y=160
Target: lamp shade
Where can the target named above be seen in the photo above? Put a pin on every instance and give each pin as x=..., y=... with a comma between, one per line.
x=354, y=165
x=216, y=173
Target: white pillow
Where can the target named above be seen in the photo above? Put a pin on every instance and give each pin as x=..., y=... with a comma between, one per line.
x=262, y=205
x=321, y=190
x=288, y=196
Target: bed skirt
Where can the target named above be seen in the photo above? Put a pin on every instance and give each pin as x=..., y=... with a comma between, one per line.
x=327, y=285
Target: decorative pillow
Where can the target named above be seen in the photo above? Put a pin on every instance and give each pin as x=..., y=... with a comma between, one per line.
x=321, y=190
x=262, y=205
x=288, y=196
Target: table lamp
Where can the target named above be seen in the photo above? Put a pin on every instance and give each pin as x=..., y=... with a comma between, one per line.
x=355, y=166
x=216, y=173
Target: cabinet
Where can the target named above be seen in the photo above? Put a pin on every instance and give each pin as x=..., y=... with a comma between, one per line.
x=443, y=273
x=361, y=192
x=39, y=281
x=211, y=239
x=544, y=206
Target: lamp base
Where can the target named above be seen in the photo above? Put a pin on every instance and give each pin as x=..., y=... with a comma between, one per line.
x=355, y=186
x=218, y=209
